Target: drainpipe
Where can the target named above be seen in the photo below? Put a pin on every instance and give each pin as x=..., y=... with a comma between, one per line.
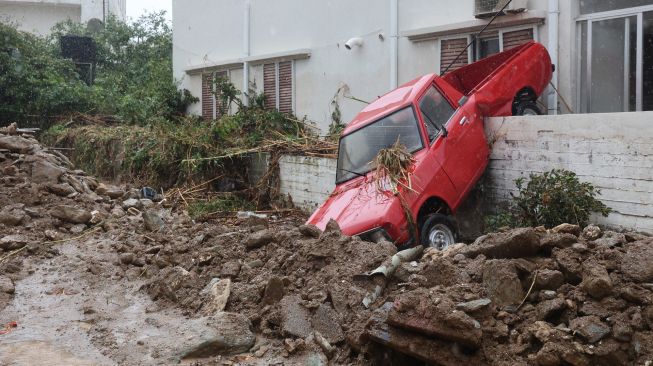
x=554, y=11
x=394, y=44
x=246, y=52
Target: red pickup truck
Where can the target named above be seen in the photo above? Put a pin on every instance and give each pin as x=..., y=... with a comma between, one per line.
x=440, y=121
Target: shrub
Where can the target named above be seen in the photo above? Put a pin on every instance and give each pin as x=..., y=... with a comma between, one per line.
x=550, y=199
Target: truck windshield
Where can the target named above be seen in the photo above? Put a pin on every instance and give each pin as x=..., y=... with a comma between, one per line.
x=359, y=148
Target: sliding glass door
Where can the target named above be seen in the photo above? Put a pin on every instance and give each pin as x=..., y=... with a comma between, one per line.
x=616, y=61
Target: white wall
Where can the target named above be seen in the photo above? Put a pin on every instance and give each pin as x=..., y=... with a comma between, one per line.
x=38, y=18
x=212, y=31
x=94, y=9
x=611, y=151
x=308, y=180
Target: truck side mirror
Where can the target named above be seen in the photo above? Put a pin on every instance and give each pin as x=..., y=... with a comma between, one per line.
x=462, y=101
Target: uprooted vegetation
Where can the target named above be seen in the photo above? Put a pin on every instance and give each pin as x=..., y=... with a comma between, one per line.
x=268, y=290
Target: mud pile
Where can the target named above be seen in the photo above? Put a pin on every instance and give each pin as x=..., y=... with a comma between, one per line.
x=42, y=199
x=527, y=296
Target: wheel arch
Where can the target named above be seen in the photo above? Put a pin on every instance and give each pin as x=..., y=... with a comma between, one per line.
x=431, y=205
x=526, y=93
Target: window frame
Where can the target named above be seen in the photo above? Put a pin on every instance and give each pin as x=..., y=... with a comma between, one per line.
x=277, y=86
x=424, y=123
x=417, y=118
x=606, y=15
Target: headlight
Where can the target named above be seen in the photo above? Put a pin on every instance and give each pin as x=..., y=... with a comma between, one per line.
x=375, y=235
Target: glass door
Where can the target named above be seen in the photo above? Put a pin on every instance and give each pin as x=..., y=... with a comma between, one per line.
x=616, y=62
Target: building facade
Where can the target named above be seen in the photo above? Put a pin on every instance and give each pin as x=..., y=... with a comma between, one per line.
x=39, y=16
x=313, y=57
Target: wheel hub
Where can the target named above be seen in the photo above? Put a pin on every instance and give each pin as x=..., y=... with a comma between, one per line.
x=440, y=237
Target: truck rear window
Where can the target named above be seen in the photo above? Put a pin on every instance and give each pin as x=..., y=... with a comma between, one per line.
x=359, y=148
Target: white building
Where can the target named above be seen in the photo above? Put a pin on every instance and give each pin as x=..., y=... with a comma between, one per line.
x=295, y=50
x=39, y=16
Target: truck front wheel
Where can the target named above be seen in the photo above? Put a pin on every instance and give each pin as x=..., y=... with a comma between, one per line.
x=527, y=108
x=438, y=231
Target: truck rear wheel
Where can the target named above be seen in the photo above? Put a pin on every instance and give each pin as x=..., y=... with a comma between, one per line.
x=527, y=108
x=438, y=231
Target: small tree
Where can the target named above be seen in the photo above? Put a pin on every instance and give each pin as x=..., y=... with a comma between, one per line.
x=550, y=199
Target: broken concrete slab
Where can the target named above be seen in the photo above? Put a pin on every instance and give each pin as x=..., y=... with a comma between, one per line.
x=325, y=321
x=637, y=262
x=295, y=318
x=434, y=351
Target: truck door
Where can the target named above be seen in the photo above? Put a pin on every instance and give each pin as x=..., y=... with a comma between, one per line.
x=463, y=152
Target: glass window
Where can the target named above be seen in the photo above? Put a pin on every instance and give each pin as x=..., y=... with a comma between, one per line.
x=595, y=6
x=436, y=111
x=488, y=47
x=358, y=149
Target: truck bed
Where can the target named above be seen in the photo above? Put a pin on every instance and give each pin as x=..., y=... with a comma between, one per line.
x=472, y=77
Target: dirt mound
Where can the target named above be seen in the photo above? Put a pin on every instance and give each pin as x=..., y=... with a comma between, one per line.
x=42, y=200
x=571, y=300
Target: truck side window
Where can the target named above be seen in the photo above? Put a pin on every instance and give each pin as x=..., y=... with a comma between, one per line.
x=436, y=111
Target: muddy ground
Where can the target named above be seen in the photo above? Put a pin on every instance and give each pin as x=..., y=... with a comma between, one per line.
x=95, y=274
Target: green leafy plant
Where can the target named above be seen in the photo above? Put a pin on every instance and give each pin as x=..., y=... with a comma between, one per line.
x=229, y=203
x=550, y=199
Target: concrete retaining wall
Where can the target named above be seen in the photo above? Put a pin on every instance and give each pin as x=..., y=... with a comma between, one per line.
x=612, y=151
x=308, y=180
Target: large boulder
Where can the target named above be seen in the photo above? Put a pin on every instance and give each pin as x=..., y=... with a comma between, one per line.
x=596, y=280
x=502, y=282
x=516, y=243
x=228, y=334
x=16, y=144
x=71, y=214
x=637, y=263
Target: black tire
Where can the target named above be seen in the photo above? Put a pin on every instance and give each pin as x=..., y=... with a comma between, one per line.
x=527, y=108
x=438, y=231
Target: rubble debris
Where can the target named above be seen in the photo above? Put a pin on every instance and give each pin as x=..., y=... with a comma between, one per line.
x=231, y=335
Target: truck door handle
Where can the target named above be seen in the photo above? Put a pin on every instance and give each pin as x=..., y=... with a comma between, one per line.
x=463, y=121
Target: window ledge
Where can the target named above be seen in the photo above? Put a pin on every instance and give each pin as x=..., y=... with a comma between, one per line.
x=532, y=17
x=298, y=54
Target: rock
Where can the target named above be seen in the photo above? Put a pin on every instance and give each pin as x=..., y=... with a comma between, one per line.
x=557, y=240
x=325, y=321
x=256, y=263
x=596, y=281
x=231, y=335
x=429, y=349
x=152, y=221
x=295, y=318
x=78, y=229
x=71, y=214
x=591, y=232
x=52, y=235
x=46, y=172
x=548, y=279
x=16, y=144
x=10, y=170
x=13, y=242
x=332, y=227
x=502, y=283
x=218, y=291
x=548, y=310
x=548, y=295
x=12, y=217
x=6, y=285
x=516, y=243
x=259, y=239
x=127, y=258
x=637, y=262
x=405, y=270
x=472, y=306
x=112, y=192
x=310, y=231
x=321, y=341
x=636, y=294
x=146, y=203
x=589, y=328
x=611, y=239
x=274, y=291
x=570, y=263
x=291, y=346
x=131, y=203
x=567, y=229
x=230, y=269
x=62, y=190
